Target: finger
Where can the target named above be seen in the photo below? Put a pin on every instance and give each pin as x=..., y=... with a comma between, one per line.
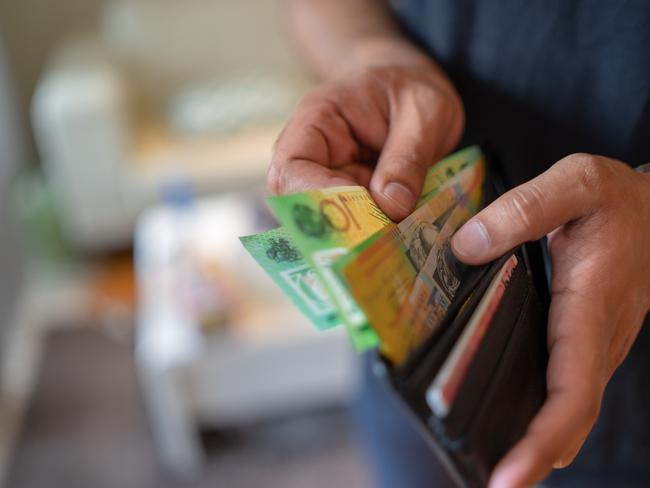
x=301, y=175
x=575, y=379
x=317, y=133
x=420, y=133
x=569, y=190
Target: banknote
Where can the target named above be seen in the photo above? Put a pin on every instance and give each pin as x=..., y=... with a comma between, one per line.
x=435, y=284
x=275, y=251
x=465, y=169
x=325, y=225
x=299, y=280
x=405, y=277
x=446, y=169
x=438, y=276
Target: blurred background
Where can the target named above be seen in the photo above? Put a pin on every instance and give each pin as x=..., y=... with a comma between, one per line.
x=139, y=344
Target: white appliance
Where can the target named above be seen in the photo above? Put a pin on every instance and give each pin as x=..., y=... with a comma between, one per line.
x=118, y=115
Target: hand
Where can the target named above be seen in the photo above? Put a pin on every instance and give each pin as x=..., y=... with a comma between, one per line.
x=597, y=214
x=381, y=127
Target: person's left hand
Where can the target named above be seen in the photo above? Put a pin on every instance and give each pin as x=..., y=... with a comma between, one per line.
x=596, y=212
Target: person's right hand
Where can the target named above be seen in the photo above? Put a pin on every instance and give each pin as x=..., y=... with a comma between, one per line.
x=381, y=127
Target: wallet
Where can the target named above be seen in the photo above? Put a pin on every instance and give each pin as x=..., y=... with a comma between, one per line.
x=504, y=385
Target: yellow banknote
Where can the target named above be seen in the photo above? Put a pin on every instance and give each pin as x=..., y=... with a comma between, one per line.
x=383, y=272
x=325, y=224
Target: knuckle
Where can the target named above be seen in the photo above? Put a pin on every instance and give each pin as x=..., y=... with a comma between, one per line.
x=407, y=164
x=272, y=179
x=369, y=80
x=593, y=174
x=280, y=174
x=407, y=160
x=287, y=178
x=304, y=105
x=525, y=206
x=320, y=111
x=279, y=159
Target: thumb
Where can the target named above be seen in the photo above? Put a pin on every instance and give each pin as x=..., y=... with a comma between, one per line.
x=417, y=137
x=566, y=192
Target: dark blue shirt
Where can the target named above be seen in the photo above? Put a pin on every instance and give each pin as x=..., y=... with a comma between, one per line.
x=541, y=79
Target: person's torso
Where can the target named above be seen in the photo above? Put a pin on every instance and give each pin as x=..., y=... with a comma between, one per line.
x=541, y=79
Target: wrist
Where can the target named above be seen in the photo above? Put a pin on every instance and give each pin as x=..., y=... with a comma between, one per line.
x=376, y=51
x=392, y=51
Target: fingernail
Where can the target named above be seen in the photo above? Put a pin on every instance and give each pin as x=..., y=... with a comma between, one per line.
x=561, y=463
x=400, y=195
x=471, y=240
x=500, y=482
x=502, y=479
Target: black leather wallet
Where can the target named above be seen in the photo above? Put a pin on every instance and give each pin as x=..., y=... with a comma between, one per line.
x=505, y=383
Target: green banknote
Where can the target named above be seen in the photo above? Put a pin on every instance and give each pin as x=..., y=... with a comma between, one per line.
x=275, y=251
x=397, y=276
x=325, y=224
x=446, y=169
x=438, y=177
x=381, y=274
x=322, y=226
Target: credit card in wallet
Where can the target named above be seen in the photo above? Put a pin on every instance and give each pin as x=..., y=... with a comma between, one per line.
x=444, y=388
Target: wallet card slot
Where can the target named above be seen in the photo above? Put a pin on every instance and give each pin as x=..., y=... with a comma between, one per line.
x=454, y=432
x=518, y=388
x=418, y=358
x=514, y=394
x=482, y=370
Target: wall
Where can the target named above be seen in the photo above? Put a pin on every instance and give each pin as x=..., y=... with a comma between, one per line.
x=165, y=43
x=12, y=157
x=30, y=29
